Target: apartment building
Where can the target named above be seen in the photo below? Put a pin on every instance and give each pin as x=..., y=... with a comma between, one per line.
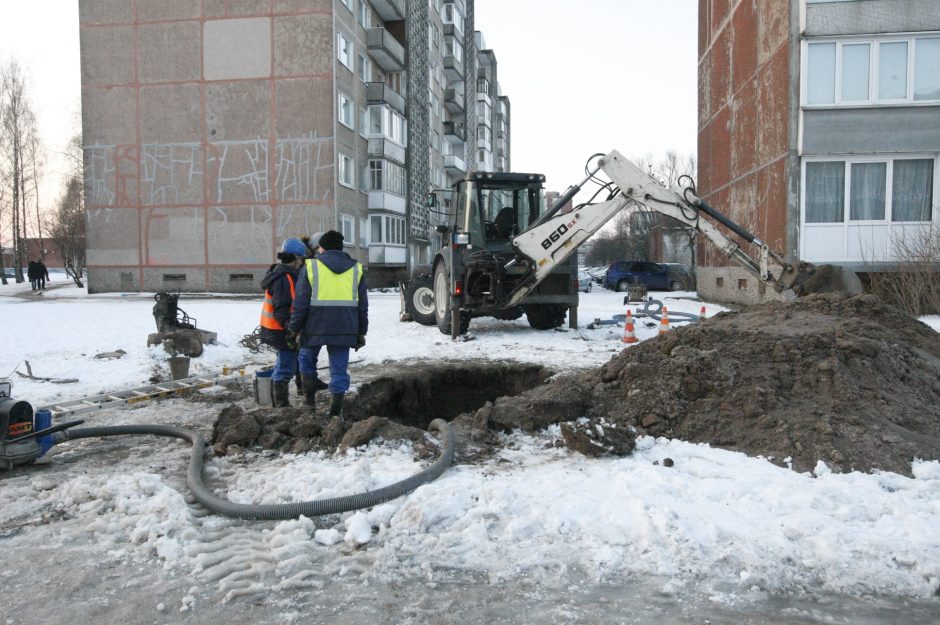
x=213, y=130
x=819, y=130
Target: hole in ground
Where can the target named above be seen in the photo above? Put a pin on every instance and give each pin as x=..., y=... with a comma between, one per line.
x=417, y=395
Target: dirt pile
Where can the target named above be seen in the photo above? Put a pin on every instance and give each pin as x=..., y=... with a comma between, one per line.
x=846, y=380
x=849, y=381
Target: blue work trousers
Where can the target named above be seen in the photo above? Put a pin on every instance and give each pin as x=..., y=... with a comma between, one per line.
x=285, y=366
x=339, y=363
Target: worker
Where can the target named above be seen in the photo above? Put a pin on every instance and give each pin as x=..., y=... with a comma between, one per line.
x=279, y=285
x=333, y=313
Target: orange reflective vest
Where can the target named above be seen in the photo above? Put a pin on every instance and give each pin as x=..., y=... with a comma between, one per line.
x=267, y=308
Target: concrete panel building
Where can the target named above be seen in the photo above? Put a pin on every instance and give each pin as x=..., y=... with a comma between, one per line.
x=819, y=129
x=214, y=129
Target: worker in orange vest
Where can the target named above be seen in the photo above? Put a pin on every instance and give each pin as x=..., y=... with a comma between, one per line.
x=279, y=285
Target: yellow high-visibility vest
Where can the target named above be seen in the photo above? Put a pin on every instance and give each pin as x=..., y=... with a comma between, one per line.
x=333, y=289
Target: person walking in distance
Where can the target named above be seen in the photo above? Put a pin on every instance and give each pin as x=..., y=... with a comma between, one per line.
x=42, y=273
x=279, y=285
x=331, y=309
x=32, y=272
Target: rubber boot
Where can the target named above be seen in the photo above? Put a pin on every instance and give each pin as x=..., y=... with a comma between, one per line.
x=280, y=391
x=336, y=405
x=312, y=384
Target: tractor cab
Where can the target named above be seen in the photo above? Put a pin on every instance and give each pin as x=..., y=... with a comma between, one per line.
x=492, y=208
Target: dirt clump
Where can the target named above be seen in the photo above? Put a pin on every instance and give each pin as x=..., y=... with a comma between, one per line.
x=846, y=380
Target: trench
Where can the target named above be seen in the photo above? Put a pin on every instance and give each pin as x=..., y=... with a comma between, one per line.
x=417, y=395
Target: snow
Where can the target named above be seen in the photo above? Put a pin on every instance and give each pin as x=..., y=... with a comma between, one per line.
x=715, y=521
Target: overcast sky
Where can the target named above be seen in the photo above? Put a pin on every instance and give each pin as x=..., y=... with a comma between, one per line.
x=583, y=76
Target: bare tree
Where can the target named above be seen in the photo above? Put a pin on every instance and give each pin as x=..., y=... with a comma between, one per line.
x=67, y=230
x=628, y=237
x=17, y=137
x=912, y=281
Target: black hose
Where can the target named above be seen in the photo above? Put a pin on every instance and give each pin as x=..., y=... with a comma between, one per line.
x=274, y=511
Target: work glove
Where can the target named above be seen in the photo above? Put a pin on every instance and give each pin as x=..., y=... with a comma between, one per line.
x=360, y=342
x=292, y=340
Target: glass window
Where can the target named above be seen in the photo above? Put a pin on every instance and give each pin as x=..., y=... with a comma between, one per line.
x=821, y=80
x=892, y=71
x=927, y=68
x=344, y=50
x=365, y=68
x=347, y=117
x=825, y=192
x=363, y=230
x=867, y=198
x=912, y=190
x=347, y=173
x=348, y=228
x=855, y=71
x=376, y=229
x=363, y=14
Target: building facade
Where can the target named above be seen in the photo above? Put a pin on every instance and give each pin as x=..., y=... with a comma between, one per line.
x=819, y=130
x=213, y=130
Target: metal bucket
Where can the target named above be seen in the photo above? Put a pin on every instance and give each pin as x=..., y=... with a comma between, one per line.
x=179, y=367
x=263, y=388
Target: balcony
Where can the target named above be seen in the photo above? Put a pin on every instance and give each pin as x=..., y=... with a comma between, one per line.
x=453, y=67
x=386, y=201
x=386, y=254
x=454, y=133
x=380, y=147
x=379, y=92
x=385, y=49
x=454, y=165
x=390, y=10
x=454, y=101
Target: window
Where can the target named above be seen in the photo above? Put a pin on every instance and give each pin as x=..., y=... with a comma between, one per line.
x=363, y=121
x=346, y=114
x=912, y=190
x=344, y=50
x=384, y=122
x=872, y=72
x=348, y=228
x=453, y=16
x=927, y=69
x=347, y=4
x=365, y=68
x=483, y=85
x=347, y=171
x=363, y=14
x=825, y=192
x=453, y=48
x=387, y=229
x=363, y=231
x=387, y=176
x=879, y=190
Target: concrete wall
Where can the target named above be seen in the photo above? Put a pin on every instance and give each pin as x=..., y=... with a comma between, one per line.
x=871, y=17
x=745, y=148
x=209, y=138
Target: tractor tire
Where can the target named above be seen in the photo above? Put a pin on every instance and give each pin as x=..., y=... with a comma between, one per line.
x=442, y=305
x=545, y=316
x=419, y=300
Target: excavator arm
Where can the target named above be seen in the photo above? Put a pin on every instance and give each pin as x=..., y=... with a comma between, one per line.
x=556, y=236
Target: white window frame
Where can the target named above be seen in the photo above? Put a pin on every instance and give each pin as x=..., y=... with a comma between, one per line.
x=347, y=4
x=347, y=171
x=364, y=71
x=363, y=14
x=345, y=51
x=363, y=232
x=873, y=71
x=346, y=110
x=347, y=225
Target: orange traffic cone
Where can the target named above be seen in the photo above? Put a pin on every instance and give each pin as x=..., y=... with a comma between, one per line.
x=664, y=322
x=701, y=313
x=629, y=335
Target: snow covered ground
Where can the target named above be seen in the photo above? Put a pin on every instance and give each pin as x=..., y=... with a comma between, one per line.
x=106, y=527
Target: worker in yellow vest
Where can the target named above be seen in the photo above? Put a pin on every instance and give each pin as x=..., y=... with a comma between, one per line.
x=331, y=309
x=279, y=286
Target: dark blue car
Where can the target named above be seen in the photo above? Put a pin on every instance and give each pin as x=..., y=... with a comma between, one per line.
x=624, y=273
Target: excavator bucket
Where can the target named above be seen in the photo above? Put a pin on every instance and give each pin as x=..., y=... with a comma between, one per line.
x=826, y=279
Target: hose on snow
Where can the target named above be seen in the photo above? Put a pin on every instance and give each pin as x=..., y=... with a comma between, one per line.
x=313, y=508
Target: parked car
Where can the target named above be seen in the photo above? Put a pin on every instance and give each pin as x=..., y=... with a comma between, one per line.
x=585, y=281
x=680, y=273
x=597, y=274
x=653, y=276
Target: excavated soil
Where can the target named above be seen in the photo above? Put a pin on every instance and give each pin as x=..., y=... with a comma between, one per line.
x=848, y=381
